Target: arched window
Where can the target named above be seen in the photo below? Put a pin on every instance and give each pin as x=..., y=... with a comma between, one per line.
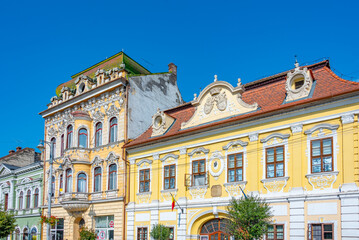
x=28, y=198
x=98, y=135
x=62, y=144
x=21, y=199
x=25, y=234
x=17, y=234
x=36, y=198
x=33, y=233
x=69, y=136
x=215, y=229
x=81, y=223
x=97, y=181
x=113, y=130
x=68, y=180
x=81, y=182
x=112, y=177
x=53, y=147
x=61, y=184
x=83, y=138
x=53, y=186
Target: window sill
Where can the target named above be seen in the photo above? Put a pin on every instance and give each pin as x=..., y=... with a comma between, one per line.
x=322, y=174
x=169, y=190
x=198, y=187
x=274, y=179
x=235, y=183
x=143, y=193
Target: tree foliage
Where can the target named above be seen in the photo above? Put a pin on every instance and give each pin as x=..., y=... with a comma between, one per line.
x=160, y=232
x=249, y=218
x=87, y=234
x=7, y=224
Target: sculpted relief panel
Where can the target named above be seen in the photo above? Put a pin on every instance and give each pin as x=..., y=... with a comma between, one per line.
x=217, y=101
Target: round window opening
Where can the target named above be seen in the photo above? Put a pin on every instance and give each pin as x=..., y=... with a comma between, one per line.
x=82, y=88
x=158, y=121
x=297, y=82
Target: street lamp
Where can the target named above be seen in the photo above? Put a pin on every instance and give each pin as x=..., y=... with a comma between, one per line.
x=41, y=147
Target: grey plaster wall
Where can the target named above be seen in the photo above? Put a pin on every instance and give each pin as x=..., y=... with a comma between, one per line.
x=22, y=157
x=146, y=94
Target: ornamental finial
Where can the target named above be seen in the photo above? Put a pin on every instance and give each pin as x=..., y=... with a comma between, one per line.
x=195, y=96
x=296, y=64
x=239, y=82
x=215, y=78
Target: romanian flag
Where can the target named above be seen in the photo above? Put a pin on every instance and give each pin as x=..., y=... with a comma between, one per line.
x=173, y=203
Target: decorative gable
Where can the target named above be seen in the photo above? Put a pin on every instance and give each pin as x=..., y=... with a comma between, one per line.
x=4, y=170
x=217, y=101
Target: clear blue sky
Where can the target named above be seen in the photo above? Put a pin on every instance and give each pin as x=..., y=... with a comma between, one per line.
x=44, y=42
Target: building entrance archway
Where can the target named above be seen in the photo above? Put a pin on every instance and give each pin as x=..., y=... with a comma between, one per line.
x=214, y=229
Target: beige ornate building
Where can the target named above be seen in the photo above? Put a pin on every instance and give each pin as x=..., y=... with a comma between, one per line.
x=87, y=123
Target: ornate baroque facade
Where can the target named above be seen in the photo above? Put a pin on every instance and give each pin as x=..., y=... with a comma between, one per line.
x=291, y=138
x=87, y=123
x=21, y=191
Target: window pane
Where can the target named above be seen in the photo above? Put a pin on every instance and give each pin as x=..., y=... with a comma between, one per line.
x=167, y=171
x=279, y=228
x=231, y=161
x=202, y=166
x=239, y=175
x=271, y=228
x=172, y=171
x=270, y=155
x=195, y=167
x=327, y=227
x=231, y=176
x=167, y=183
x=280, y=171
x=328, y=235
x=172, y=183
x=142, y=187
x=316, y=168
x=316, y=161
x=316, y=148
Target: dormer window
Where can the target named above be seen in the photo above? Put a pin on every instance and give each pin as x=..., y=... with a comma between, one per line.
x=299, y=84
x=82, y=87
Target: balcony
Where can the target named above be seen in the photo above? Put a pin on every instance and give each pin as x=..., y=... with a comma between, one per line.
x=79, y=154
x=75, y=202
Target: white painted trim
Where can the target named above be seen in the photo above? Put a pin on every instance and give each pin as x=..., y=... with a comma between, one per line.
x=194, y=219
x=77, y=135
x=87, y=178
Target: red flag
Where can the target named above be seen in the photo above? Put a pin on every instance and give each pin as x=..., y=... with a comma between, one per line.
x=173, y=203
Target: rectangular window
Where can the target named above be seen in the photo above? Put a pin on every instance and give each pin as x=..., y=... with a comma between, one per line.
x=322, y=155
x=145, y=180
x=199, y=173
x=170, y=176
x=320, y=231
x=235, y=167
x=104, y=227
x=275, y=162
x=142, y=233
x=57, y=231
x=275, y=232
x=172, y=233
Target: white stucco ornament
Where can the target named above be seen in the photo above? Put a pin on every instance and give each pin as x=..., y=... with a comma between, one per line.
x=297, y=75
x=216, y=164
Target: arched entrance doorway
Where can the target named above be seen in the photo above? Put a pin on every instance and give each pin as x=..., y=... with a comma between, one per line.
x=214, y=229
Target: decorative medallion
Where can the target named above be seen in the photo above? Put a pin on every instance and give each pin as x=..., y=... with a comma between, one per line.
x=216, y=164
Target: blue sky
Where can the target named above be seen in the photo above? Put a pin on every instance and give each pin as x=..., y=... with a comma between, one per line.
x=44, y=42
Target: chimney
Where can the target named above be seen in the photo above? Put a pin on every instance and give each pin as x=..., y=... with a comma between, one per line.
x=18, y=149
x=172, y=68
x=11, y=151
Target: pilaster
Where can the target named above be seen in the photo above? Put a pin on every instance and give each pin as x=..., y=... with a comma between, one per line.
x=348, y=147
x=296, y=156
x=297, y=221
x=181, y=231
x=253, y=160
x=350, y=216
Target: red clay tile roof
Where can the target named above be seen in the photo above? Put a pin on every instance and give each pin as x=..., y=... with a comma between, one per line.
x=269, y=93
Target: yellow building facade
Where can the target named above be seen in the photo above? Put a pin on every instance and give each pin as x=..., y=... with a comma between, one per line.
x=291, y=139
x=86, y=125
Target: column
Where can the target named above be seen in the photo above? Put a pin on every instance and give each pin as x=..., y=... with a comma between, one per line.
x=253, y=163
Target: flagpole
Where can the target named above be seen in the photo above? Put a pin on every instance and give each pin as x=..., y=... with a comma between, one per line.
x=176, y=203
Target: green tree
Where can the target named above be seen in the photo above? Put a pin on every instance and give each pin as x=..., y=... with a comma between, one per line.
x=160, y=232
x=7, y=223
x=249, y=218
x=87, y=234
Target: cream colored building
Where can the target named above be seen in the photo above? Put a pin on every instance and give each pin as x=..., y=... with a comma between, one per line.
x=291, y=138
x=87, y=123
